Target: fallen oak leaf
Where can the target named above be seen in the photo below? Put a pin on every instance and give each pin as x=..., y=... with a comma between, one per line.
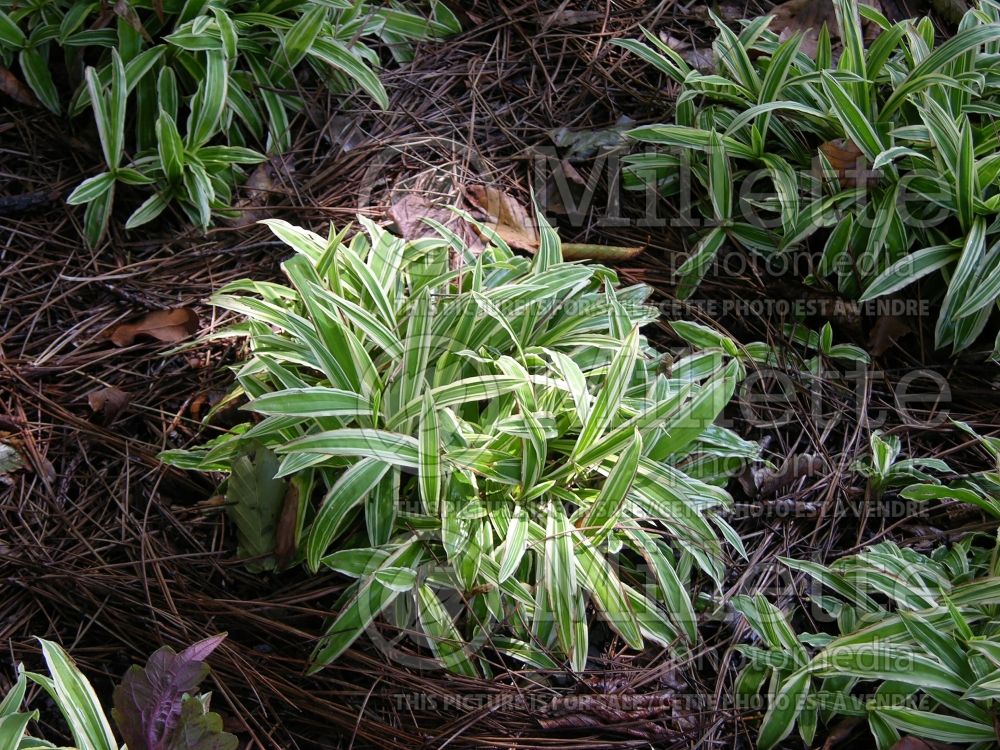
x=765, y=481
x=169, y=326
x=270, y=178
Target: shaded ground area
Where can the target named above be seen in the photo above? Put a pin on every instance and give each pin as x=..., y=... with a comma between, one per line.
x=112, y=554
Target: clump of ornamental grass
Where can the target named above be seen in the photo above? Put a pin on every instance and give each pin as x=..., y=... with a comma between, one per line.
x=882, y=163
x=185, y=95
x=493, y=454
x=915, y=647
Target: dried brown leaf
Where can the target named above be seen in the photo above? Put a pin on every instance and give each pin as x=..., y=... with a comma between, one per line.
x=763, y=481
x=410, y=210
x=168, y=326
x=507, y=217
x=108, y=402
x=11, y=86
x=269, y=178
x=886, y=331
x=809, y=16
x=848, y=161
x=650, y=716
x=126, y=12
x=600, y=253
x=915, y=743
x=285, y=541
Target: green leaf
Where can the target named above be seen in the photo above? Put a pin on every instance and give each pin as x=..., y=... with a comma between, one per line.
x=335, y=53
x=367, y=601
x=560, y=582
x=688, y=137
x=607, y=591
x=95, y=218
x=391, y=447
x=966, y=178
x=299, y=39
x=38, y=77
x=515, y=544
x=603, y=514
x=878, y=661
x=91, y=189
x=431, y=473
x=938, y=727
x=698, y=262
x=986, y=289
x=10, y=34
x=254, y=499
x=116, y=109
x=77, y=701
x=697, y=414
x=855, y=122
x=786, y=705
x=209, y=100
x=12, y=729
x=720, y=179
x=170, y=147
x=152, y=207
x=226, y=155
x=346, y=493
x=312, y=402
x=908, y=269
x=608, y=400
x=950, y=328
x=442, y=635
x=923, y=74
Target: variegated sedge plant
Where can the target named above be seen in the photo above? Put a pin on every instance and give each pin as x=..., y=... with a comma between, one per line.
x=917, y=650
x=923, y=201
x=918, y=634
x=505, y=427
x=203, y=87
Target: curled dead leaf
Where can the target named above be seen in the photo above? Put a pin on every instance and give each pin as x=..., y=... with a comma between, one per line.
x=410, y=210
x=886, y=331
x=809, y=16
x=168, y=326
x=505, y=216
x=268, y=179
x=600, y=253
x=841, y=731
x=915, y=743
x=286, y=532
x=848, y=161
x=764, y=481
x=108, y=402
x=11, y=86
x=126, y=13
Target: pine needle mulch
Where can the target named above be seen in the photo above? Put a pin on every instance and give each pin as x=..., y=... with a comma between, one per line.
x=113, y=555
